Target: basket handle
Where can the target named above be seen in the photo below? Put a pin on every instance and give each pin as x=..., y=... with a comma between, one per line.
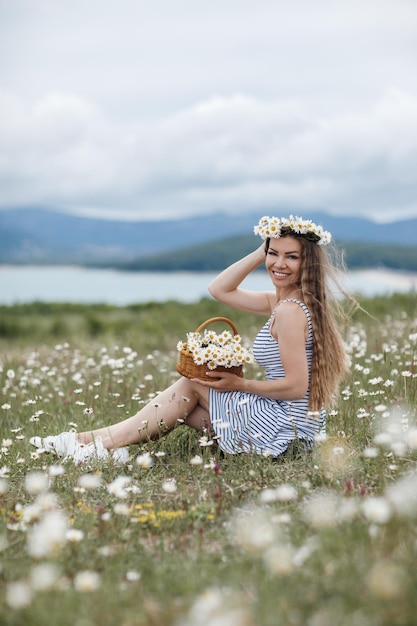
x=217, y=319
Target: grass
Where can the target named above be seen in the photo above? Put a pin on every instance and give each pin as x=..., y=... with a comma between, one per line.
x=323, y=538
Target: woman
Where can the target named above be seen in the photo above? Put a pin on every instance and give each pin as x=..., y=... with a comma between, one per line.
x=299, y=346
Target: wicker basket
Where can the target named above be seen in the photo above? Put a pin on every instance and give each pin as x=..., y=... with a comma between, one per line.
x=186, y=366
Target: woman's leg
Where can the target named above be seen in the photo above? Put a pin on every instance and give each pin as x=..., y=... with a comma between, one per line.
x=183, y=402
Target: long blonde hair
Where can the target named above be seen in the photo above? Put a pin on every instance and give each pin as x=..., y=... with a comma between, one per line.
x=329, y=362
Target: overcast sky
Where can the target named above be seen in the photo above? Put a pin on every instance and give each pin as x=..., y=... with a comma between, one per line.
x=162, y=108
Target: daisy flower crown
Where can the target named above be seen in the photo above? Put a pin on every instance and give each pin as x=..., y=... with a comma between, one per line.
x=276, y=227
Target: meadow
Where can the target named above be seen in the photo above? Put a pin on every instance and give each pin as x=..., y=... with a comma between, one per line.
x=181, y=536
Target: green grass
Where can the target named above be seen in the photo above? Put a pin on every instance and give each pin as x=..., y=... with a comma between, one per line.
x=325, y=538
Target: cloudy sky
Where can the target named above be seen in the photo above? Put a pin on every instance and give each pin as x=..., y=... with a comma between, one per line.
x=162, y=108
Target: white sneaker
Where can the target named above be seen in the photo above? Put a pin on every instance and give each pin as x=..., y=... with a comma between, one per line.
x=67, y=446
x=120, y=455
x=89, y=452
x=97, y=451
x=63, y=445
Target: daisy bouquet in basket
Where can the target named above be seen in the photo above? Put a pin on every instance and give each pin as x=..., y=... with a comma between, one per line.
x=207, y=350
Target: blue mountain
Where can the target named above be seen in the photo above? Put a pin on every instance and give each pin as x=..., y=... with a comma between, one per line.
x=42, y=235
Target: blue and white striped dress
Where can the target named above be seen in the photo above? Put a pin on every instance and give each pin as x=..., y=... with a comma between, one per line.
x=246, y=422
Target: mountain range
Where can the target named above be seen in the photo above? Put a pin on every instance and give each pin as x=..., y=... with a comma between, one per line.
x=38, y=235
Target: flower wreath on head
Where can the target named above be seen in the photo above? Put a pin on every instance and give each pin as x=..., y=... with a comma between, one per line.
x=275, y=227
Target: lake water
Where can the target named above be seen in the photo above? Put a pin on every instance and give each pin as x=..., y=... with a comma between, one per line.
x=20, y=284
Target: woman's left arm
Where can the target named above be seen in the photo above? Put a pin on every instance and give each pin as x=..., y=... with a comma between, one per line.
x=290, y=327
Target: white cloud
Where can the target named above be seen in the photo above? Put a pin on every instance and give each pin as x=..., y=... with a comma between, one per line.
x=140, y=109
x=233, y=153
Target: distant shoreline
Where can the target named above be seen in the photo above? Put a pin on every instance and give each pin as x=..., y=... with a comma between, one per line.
x=371, y=271
x=76, y=284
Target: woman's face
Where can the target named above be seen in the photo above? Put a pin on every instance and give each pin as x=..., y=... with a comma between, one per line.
x=283, y=261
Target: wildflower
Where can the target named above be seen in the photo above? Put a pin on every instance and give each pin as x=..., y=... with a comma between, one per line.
x=121, y=509
x=89, y=481
x=375, y=381
x=204, y=441
x=118, y=487
x=4, y=471
x=402, y=496
x=48, y=535
x=411, y=438
x=87, y=581
x=4, y=486
x=282, y=518
x=320, y=437
x=6, y=406
x=217, y=607
x=383, y=439
x=44, y=576
x=279, y=559
x=284, y=493
x=144, y=461
x=254, y=532
x=18, y=595
x=56, y=470
x=377, y=510
x=387, y=580
x=36, y=482
x=133, y=576
x=169, y=486
x=74, y=536
x=321, y=510
x=406, y=374
x=196, y=460
x=370, y=452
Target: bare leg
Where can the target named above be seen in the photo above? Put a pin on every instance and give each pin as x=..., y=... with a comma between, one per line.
x=184, y=400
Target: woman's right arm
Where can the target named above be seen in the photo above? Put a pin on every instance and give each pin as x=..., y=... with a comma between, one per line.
x=226, y=286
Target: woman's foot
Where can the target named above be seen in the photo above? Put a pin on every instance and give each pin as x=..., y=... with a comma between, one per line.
x=66, y=446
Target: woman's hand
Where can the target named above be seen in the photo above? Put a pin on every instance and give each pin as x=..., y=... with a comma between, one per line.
x=222, y=381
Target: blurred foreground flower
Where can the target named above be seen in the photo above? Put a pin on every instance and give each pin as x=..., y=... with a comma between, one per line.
x=144, y=461
x=387, y=580
x=87, y=581
x=218, y=607
x=170, y=485
x=377, y=510
x=48, y=535
x=36, y=483
x=44, y=576
x=403, y=496
x=119, y=486
x=325, y=509
x=18, y=595
x=283, y=493
x=254, y=531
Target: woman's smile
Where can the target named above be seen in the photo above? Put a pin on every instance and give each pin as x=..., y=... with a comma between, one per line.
x=283, y=260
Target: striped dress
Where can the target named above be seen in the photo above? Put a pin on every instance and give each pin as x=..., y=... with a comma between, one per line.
x=246, y=422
